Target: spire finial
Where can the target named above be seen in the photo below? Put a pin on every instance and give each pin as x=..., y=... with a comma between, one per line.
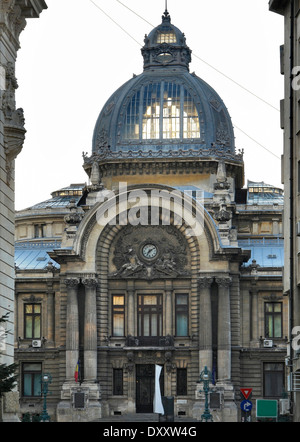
x=166, y=16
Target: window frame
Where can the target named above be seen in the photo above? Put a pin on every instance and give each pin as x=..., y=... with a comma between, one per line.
x=117, y=309
x=34, y=316
x=35, y=375
x=274, y=381
x=273, y=316
x=151, y=310
x=181, y=382
x=118, y=382
x=181, y=308
x=168, y=37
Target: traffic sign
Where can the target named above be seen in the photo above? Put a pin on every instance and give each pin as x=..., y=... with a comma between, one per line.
x=246, y=392
x=246, y=406
x=266, y=408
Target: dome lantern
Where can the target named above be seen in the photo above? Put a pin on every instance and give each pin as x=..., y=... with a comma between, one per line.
x=166, y=46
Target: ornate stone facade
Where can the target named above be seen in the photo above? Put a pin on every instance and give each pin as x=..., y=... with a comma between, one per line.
x=13, y=15
x=157, y=271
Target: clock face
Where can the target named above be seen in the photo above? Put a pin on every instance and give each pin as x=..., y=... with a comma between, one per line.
x=149, y=251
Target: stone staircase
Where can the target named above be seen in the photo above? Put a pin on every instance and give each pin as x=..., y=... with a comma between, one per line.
x=140, y=417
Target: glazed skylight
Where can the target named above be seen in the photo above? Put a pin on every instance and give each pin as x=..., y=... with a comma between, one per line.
x=161, y=111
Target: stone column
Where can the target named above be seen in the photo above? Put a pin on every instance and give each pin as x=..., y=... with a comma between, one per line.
x=169, y=309
x=224, y=329
x=254, y=317
x=130, y=311
x=72, y=328
x=50, y=314
x=90, y=330
x=205, y=323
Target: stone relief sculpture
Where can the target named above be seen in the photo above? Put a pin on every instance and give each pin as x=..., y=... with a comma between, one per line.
x=166, y=260
x=131, y=266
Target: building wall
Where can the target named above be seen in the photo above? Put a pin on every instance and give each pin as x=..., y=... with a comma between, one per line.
x=226, y=295
x=252, y=286
x=290, y=62
x=13, y=14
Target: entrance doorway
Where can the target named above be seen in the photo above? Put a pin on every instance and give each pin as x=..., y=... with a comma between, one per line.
x=145, y=387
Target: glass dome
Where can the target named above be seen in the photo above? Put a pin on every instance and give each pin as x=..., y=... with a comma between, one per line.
x=160, y=111
x=165, y=111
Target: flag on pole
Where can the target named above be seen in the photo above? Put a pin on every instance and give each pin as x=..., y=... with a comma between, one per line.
x=157, y=401
x=77, y=370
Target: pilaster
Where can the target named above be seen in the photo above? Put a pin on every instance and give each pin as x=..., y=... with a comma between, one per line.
x=224, y=329
x=205, y=323
x=90, y=330
x=72, y=328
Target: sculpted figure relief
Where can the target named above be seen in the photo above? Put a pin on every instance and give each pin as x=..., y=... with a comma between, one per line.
x=138, y=256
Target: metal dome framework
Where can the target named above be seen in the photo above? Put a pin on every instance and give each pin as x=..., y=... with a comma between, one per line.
x=165, y=112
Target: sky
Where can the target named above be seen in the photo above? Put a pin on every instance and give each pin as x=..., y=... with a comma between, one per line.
x=79, y=52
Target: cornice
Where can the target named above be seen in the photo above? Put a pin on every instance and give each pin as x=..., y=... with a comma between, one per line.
x=278, y=6
x=13, y=15
x=32, y=8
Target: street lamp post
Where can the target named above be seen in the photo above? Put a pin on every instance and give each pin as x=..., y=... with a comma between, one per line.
x=206, y=378
x=46, y=379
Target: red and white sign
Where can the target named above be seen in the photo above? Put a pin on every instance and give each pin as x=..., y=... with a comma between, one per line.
x=246, y=392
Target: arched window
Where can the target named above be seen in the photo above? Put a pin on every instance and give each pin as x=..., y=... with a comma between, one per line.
x=161, y=111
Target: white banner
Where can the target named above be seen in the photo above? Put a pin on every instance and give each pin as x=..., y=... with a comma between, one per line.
x=157, y=401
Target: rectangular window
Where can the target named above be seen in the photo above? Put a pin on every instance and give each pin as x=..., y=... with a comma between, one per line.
x=39, y=230
x=181, y=315
x=132, y=127
x=273, y=380
x=191, y=127
x=32, y=321
x=166, y=37
x=273, y=320
x=118, y=315
x=181, y=384
x=150, y=315
x=31, y=379
x=171, y=111
x=151, y=111
x=117, y=381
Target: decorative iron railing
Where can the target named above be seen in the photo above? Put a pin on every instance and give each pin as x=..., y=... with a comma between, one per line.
x=149, y=341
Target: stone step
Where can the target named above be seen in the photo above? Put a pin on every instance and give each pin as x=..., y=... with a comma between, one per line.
x=142, y=417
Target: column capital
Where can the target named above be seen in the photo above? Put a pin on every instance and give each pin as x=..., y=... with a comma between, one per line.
x=90, y=282
x=72, y=282
x=224, y=281
x=205, y=282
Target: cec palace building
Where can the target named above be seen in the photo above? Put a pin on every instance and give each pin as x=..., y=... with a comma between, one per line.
x=167, y=257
